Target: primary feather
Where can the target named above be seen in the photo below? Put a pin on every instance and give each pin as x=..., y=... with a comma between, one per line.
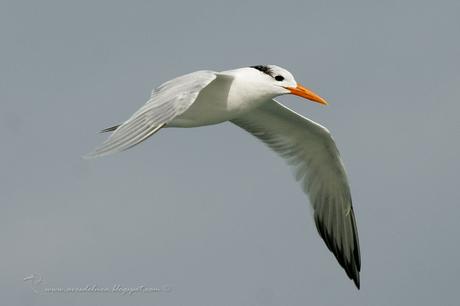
x=166, y=102
x=310, y=149
x=245, y=97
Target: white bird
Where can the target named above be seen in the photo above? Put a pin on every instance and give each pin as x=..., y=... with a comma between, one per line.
x=245, y=97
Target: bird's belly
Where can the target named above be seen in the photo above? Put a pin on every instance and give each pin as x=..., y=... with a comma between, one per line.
x=203, y=112
x=214, y=104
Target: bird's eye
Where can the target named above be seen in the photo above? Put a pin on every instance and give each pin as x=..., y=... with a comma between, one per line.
x=279, y=78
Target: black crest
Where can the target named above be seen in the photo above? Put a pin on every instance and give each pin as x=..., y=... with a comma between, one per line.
x=264, y=69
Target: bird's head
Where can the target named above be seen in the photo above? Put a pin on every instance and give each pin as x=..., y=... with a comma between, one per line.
x=279, y=81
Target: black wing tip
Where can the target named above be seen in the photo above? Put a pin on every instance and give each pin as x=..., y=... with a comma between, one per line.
x=352, y=267
x=357, y=282
x=110, y=129
x=356, y=252
x=352, y=270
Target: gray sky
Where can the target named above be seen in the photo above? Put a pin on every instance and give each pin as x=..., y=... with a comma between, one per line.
x=210, y=212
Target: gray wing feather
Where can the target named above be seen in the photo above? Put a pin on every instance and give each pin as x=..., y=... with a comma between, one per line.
x=166, y=102
x=310, y=149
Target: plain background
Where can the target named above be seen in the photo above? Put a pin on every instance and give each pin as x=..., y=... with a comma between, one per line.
x=209, y=213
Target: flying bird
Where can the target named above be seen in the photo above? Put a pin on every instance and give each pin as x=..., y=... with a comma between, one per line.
x=245, y=97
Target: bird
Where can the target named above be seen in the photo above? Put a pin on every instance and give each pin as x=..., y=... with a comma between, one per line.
x=246, y=98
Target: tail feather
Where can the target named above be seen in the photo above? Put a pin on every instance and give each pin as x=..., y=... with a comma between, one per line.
x=123, y=139
x=110, y=129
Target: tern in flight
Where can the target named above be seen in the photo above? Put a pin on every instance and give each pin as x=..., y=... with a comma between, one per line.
x=245, y=97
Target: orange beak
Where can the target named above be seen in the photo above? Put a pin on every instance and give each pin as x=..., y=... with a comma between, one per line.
x=306, y=93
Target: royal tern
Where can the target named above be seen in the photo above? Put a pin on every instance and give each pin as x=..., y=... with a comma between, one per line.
x=245, y=97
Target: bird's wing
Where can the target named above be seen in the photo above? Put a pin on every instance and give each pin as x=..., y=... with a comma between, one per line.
x=166, y=102
x=310, y=149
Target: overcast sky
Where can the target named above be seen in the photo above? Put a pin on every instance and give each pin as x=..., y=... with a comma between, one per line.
x=209, y=216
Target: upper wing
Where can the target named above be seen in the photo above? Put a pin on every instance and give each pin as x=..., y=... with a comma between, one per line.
x=166, y=102
x=311, y=150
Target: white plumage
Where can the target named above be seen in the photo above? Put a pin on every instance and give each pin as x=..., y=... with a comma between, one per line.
x=245, y=97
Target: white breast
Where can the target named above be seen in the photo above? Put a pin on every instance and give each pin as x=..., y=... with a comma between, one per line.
x=226, y=98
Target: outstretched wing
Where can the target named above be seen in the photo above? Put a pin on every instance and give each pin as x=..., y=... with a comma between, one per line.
x=169, y=100
x=310, y=149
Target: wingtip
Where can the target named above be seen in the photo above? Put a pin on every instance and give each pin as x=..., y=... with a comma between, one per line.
x=357, y=281
x=352, y=271
x=88, y=156
x=96, y=153
x=353, y=267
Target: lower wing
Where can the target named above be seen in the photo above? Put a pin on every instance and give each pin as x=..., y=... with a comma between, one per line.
x=310, y=149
